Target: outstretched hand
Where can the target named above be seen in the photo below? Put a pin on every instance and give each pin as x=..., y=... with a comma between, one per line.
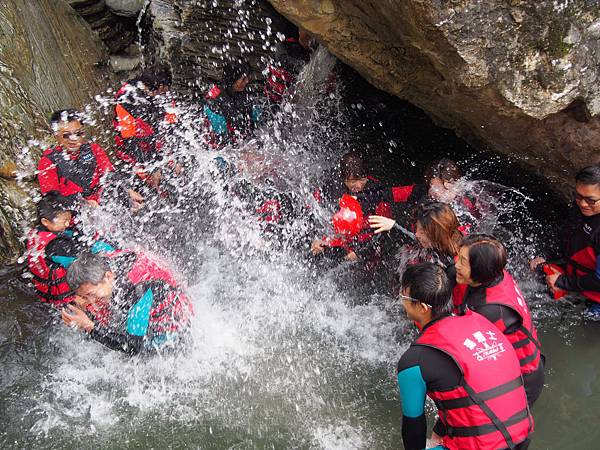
x=381, y=223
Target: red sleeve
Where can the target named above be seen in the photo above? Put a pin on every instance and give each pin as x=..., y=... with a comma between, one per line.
x=104, y=164
x=47, y=176
x=402, y=193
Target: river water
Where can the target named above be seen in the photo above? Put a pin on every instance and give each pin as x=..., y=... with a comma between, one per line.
x=284, y=355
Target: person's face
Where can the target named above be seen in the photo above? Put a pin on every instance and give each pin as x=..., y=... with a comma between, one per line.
x=463, y=267
x=421, y=236
x=442, y=191
x=355, y=185
x=587, y=197
x=240, y=84
x=415, y=310
x=70, y=135
x=60, y=223
x=100, y=293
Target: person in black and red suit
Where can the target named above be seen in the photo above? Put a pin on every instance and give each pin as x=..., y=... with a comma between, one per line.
x=578, y=271
x=74, y=166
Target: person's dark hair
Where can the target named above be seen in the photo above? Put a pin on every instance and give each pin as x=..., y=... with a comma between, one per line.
x=428, y=283
x=155, y=76
x=51, y=205
x=589, y=175
x=445, y=169
x=88, y=268
x=353, y=166
x=234, y=70
x=64, y=115
x=487, y=257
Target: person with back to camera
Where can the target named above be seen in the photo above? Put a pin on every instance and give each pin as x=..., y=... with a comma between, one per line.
x=493, y=293
x=438, y=233
x=579, y=269
x=466, y=366
x=74, y=167
x=143, y=307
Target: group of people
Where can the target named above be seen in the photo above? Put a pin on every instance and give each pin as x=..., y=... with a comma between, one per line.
x=477, y=355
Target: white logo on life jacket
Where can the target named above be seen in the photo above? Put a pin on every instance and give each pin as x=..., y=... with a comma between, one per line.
x=486, y=348
x=587, y=229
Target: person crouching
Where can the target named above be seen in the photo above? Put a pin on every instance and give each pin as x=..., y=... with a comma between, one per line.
x=148, y=312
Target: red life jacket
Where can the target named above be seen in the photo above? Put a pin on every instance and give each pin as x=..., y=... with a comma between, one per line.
x=49, y=280
x=488, y=409
x=76, y=176
x=171, y=312
x=278, y=82
x=524, y=339
x=583, y=261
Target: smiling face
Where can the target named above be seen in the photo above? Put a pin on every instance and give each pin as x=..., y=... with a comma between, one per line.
x=463, y=267
x=70, y=135
x=100, y=293
x=587, y=197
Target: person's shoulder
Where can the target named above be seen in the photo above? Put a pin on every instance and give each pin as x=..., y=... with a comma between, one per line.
x=411, y=357
x=45, y=160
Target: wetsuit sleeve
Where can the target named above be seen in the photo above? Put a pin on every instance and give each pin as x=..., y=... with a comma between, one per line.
x=413, y=390
x=587, y=282
x=132, y=345
x=47, y=176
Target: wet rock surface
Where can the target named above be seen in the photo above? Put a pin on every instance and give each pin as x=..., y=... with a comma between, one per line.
x=519, y=77
x=49, y=59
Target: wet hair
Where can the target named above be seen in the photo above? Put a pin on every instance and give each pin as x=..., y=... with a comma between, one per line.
x=441, y=226
x=589, y=175
x=88, y=268
x=64, y=115
x=234, y=70
x=487, y=257
x=428, y=283
x=353, y=166
x=51, y=205
x=445, y=169
x=155, y=76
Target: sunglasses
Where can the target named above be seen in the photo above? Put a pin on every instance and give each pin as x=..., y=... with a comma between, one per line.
x=587, y=200
x=406, y=297
x=74, y=135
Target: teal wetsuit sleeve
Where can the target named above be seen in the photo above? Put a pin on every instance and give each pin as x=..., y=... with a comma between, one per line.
x=101, y=246
x=64, y=261
x=413, y=390
x=138, y=317
x=218, y=122
x=256, y=113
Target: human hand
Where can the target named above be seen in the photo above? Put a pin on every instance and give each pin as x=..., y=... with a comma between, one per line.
x=434, y=441
x=551, y=280
x=381, y=223
x=317, y=246
x=73, y=316
x=351, y=256
x=136, y=200
x=535, y=262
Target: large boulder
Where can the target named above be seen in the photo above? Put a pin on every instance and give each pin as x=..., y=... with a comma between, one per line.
x=519, y=77
x=49, y=59
x=125, y=8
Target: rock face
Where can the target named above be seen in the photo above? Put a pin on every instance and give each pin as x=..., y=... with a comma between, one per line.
x=519, y=76
x=48, y=60
x=194, y=37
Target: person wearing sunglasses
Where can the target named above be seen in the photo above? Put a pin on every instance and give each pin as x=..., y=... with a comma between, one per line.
x=74, y=166
x=465, y=365
x=578, y=270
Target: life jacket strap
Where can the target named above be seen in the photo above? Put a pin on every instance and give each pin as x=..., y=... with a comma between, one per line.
x=465, y=402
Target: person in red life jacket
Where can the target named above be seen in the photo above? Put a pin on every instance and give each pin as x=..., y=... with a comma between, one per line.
x=229, y=109
x=51, y=248
x=442, y=184
x=579, y=269
x=142, y=122
x=291, y=56
x=370, y=195
x=466, y=366
x=493, y=293
x=74, y=166
x=438, y=234
x=148, y=310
